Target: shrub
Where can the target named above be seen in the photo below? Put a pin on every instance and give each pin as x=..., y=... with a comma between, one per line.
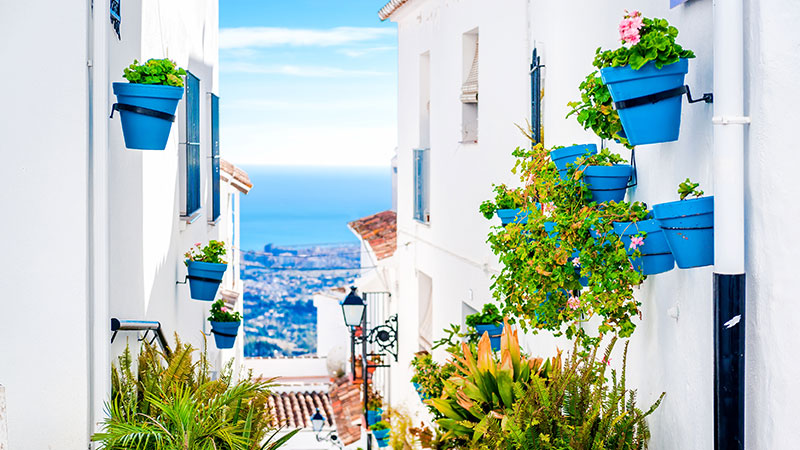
x=155, y=71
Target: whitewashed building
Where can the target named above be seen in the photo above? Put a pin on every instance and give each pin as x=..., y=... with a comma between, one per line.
x=93, y=230
x=456, y=129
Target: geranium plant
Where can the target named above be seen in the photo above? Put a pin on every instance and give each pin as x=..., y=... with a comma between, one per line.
x=505, y=198
x=688, y=188
x=155, y=71
x=382, y=425
x=221, y=313
x=211, y=253
x=643, y=40
x=595, y=110
x=489, y=315
x=565, y=244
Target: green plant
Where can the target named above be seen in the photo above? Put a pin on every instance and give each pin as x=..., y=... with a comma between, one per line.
x=211, y=253
x=382, y=425
x=170, y=401
x=375, y=400
x=595, y=110
x=518, y=402
x=221, y=313
x=489, y=315
x=688, y=188
x=505, y=198
x=430, y=375
x=566, y=243
x=643, y=40
x=155, y=71
x=604, y=158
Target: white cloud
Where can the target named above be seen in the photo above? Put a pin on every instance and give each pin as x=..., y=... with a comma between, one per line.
x=358, y=52
x=245, y=37
x=260, y=104
x=297, y=71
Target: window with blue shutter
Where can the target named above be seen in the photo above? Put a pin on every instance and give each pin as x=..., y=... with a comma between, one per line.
x=536, y=97
x=192, y=144
x=421, y=185
x=215, y=205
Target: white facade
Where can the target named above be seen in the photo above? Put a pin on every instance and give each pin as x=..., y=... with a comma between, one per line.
x=448, y=259
x=93, y=230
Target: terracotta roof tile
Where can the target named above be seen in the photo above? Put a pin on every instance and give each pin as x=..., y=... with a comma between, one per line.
x=294, y=409
x=390, y=8
x=238, y=177
x=379, y=231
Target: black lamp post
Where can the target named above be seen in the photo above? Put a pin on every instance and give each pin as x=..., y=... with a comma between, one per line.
x=317, y=423
x=354, y=309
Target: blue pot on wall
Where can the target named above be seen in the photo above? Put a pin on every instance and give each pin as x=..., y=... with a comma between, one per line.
x=494, y=330
x=204, y=279
x=374, y=416
x=146, y=112
x=689, y=228
x=607, y=183
x=656, y=255
x=225, y=333
x=648, y=123
x=567, y=155
x=422, y=394
x=508, y=216
x=382, y=436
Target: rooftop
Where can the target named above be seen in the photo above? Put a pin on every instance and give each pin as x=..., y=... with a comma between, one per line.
x=390, y=7
x=237, y=177
x=294, y=409
x=379, y=231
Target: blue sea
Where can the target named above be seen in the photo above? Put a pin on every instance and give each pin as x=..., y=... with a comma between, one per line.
x=301, y=205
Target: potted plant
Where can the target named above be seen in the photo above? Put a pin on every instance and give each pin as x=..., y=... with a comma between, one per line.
x=359, y=370
x=490, y=321
x=565, y=157
x=606, y=179
x=646, y=77
x=224, y=324
x=381, y=432
x=206, y=268
x=689, y=226
x=508, y=204
x=595, y=110
x=374, y=407
x=147, y=102
x=642, y=237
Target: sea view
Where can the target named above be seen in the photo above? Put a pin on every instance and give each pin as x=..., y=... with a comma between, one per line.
x=295, y=243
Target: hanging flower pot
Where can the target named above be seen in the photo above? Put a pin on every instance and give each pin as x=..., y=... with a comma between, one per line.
x=422, y=394
x=489, y=320
x=374, y=416
x=148, y=102
x=608, y=183
x=382, y=436
x=656, y=255
x=689, y=228
x=206, y=269
x=565, y=156
x=494, y=330
x=508, y=216
x=224, y=324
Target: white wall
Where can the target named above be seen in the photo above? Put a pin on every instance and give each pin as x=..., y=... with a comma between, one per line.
x=666, y=354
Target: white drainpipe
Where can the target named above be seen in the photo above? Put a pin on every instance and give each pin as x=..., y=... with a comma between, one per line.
x=729, y=269
x=99, y=326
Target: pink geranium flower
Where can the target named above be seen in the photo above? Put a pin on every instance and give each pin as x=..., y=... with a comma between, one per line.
x=636, y=242
x=577, y=261
x=574, y=302
x=630, y=26
x=548, y=209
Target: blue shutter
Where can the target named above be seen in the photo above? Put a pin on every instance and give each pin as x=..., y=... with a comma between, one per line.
x=192, y=144
x=215, y=157
x=536, y=98
x=421, y=196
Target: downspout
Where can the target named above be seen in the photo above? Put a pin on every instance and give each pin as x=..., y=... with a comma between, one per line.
x=98, y=331
x=729, y=268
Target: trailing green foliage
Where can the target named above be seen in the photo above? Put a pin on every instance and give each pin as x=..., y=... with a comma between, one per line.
x=688, y=188
x=221, y=313
x=505, y=198
x=211, y=253
x=375, y=400
x=488, y=316
x=595, y=110
x=603, y=158
x=155, y=71
x=382, y=425
x=430, y=376
x=171, y=402
x=654, y=40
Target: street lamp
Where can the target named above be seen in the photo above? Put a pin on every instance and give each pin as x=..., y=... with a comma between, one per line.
x=317, y=423
x=353, y=309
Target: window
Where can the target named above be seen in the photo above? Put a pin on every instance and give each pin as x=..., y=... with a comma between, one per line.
x=536, y=97
x=421, y=185
x=192, y=144
x=425, y=305
x=215, y=205
x=469, y=88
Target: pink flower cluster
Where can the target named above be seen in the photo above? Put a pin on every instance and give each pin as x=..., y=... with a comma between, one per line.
x=629, y=27
x=574, y=302
x=636, y=241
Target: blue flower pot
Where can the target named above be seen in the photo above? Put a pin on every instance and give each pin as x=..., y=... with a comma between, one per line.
x=508, y=216
x=567, y=155
x=495, y=331
x=652, y=122
x=141, y=131
x=225, y=333
x=689, y=228
x=374, y=416
x=607, y=183
x=422, y=394
x=204, y=279
x=384, y=441
x=381, y=434
x=656, y=255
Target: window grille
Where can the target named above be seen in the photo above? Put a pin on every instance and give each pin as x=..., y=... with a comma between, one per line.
x=421, y=185
x=536, y=97
x=192, y=144
x=215, y=204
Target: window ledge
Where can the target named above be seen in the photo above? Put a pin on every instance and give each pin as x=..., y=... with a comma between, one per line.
x=214, y=222
x=191, y=217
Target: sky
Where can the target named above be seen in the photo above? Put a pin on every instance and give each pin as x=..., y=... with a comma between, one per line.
x=307, y=82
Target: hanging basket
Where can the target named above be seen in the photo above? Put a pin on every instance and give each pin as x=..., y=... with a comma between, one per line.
x=608, y=183
x=146, y=112
x=689, y=228
x=204, y=279
x=648, y=100
x=225, y=333
x=656, y=255
x=494, y=330
x=562, y=157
